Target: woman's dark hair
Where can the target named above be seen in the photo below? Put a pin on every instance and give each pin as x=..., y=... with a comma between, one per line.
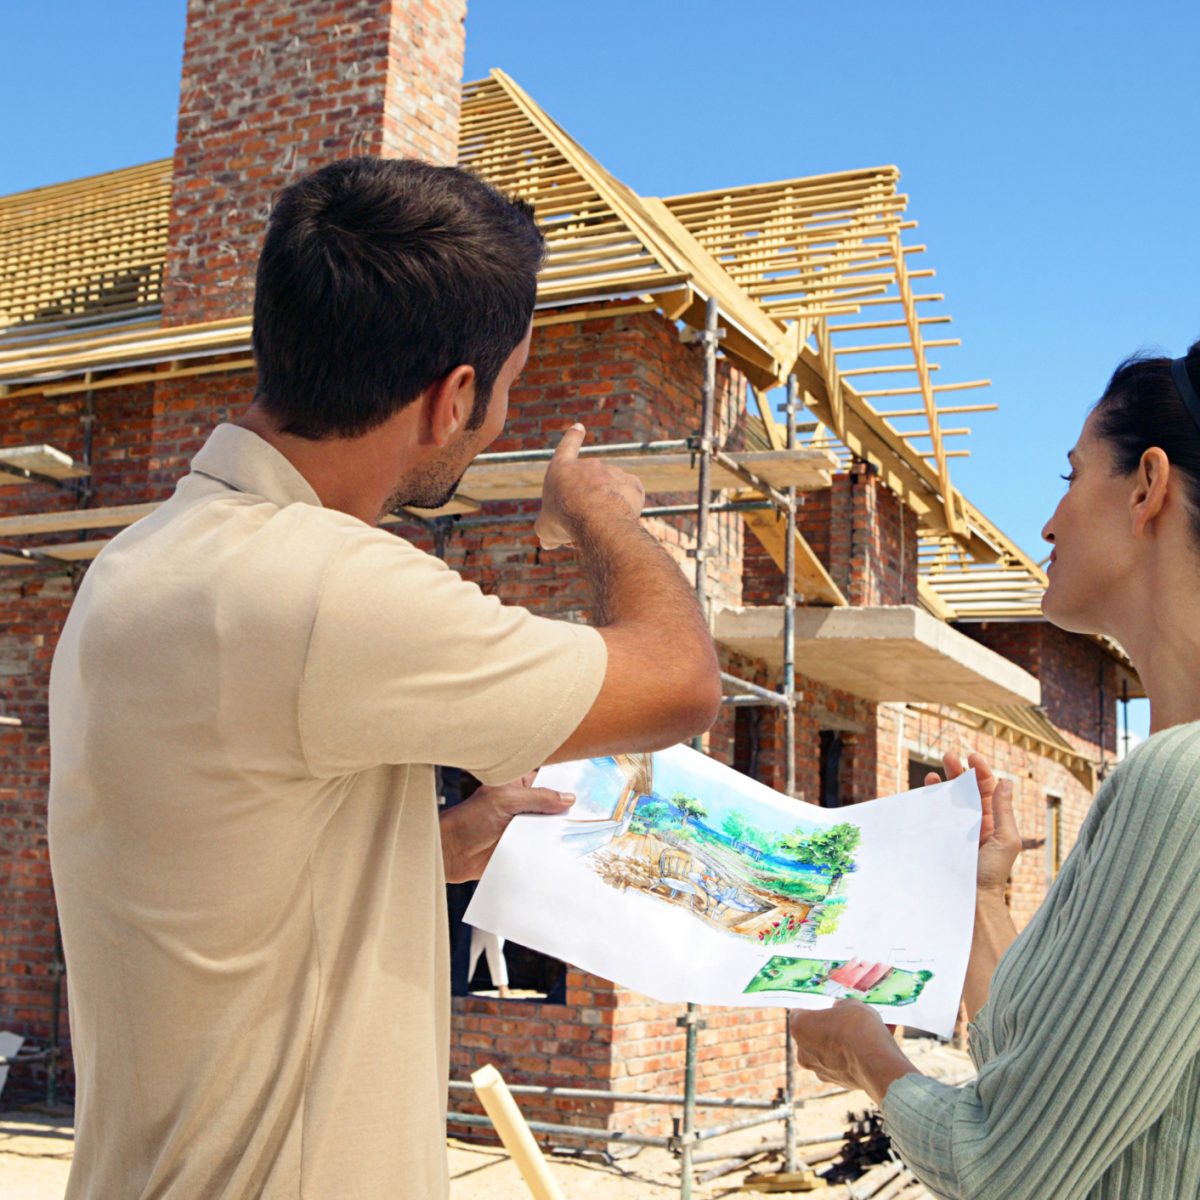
x=1141, y=407
x=377, y=278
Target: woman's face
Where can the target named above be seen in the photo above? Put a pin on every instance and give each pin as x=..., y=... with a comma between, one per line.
x=1090, y=532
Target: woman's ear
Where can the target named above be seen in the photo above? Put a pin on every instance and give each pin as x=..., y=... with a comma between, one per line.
x=1149, y=495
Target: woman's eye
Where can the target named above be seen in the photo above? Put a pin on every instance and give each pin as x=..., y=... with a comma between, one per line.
x=1069, y=478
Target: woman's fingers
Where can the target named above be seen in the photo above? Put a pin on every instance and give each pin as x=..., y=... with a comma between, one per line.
x=983, y=771
x=1004, y=819
x=954, y=768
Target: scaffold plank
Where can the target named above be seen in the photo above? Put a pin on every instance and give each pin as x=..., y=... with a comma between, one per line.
x=40, y=460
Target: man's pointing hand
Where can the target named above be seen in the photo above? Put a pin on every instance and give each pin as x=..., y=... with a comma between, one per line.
x=576, y=486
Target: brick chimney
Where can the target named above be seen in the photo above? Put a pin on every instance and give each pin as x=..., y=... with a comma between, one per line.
x=274, y=88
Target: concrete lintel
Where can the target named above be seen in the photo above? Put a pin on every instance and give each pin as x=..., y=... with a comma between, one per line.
x=893, y=653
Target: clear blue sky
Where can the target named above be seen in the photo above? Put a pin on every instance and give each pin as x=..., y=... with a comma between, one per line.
x=1049, y=151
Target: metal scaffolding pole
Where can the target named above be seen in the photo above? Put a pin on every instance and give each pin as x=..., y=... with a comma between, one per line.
x=691, y=1021
x=789, y=749
x=686, y=1139
x=704, y=448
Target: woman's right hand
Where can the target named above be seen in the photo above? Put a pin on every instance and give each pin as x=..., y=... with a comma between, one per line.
x=999, y=838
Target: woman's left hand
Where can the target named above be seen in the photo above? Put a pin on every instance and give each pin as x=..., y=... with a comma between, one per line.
x=849, y=1045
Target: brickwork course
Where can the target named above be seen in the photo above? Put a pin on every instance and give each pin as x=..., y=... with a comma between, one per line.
x=271, y=90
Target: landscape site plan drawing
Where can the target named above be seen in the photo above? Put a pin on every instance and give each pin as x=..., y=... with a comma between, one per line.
x=688, y=881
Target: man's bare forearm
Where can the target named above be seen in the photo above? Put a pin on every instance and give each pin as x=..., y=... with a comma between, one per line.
x=994, y=933
x=662, y=682
x=631, y=577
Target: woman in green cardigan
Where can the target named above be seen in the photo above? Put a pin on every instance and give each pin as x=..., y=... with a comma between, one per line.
x=1086, y=1026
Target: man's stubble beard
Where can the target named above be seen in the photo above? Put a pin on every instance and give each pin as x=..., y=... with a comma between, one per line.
x=431, y=487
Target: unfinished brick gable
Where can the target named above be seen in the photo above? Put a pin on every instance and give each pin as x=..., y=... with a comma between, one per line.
x=276, y=88
x=629, y=379
x=863, y=534
x=873, y=543
x=1078, y=678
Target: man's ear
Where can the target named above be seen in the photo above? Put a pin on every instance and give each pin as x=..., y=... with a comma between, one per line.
x=1149, y=495
x=449, y=403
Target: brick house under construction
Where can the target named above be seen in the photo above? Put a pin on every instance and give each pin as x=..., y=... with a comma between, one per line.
x=125, y=337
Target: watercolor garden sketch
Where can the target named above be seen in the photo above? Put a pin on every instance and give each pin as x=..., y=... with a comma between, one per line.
x=684, y=879
x=705, y=851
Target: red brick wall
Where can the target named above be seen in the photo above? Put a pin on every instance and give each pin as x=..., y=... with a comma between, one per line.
x=34, y=602
x=1079, y=687
x=1079, y=680
x=185, y=411
x=629, y=379
x=926, y=736
x=276, y=88
x=611, y=1038
x=874, y=541
x=33, y=606
x=865, y=537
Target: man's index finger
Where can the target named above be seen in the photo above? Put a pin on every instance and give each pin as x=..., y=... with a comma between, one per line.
x=569, y=446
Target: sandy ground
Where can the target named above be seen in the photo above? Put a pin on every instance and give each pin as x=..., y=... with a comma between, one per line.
x=35, y=1153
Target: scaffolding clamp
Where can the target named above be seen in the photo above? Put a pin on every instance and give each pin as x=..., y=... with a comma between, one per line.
x=678, y=1139
x=701, y=337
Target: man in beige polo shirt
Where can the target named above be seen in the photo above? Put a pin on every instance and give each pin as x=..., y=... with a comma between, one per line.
x=254, y=681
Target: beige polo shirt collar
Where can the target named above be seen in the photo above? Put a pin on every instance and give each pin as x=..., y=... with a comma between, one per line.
x=247, y=463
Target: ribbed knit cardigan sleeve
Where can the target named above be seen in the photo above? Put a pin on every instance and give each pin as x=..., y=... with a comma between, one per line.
x=1094, y=1012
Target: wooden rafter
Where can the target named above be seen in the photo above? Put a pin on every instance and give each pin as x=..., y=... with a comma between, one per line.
x=812, y=250
x=602, y=239
x=1023, y=726
x=84, y=251
x=1004, y=585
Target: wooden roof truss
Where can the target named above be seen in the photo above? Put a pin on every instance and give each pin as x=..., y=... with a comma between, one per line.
x=603, y=241
x=83, y=253
x=793, y=265
x=817, y=251
x=1005, y=585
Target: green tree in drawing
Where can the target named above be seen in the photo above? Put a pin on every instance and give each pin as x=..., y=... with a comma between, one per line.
x=795, y=844
x=690, y=807
x=650, y=815
x=765, y=842
x=735, y=826
x=833, y=849
x=830, y=849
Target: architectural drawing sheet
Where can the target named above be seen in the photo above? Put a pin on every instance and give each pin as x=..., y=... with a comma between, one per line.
x=685, y=880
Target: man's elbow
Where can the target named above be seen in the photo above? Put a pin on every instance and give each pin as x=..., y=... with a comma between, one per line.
x=699, y=700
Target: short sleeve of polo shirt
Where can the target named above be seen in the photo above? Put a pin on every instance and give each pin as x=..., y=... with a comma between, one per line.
x=408, y=662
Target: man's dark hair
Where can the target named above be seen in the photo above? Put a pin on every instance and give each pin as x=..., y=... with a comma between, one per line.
x=1142, y=407
x=377, y=278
